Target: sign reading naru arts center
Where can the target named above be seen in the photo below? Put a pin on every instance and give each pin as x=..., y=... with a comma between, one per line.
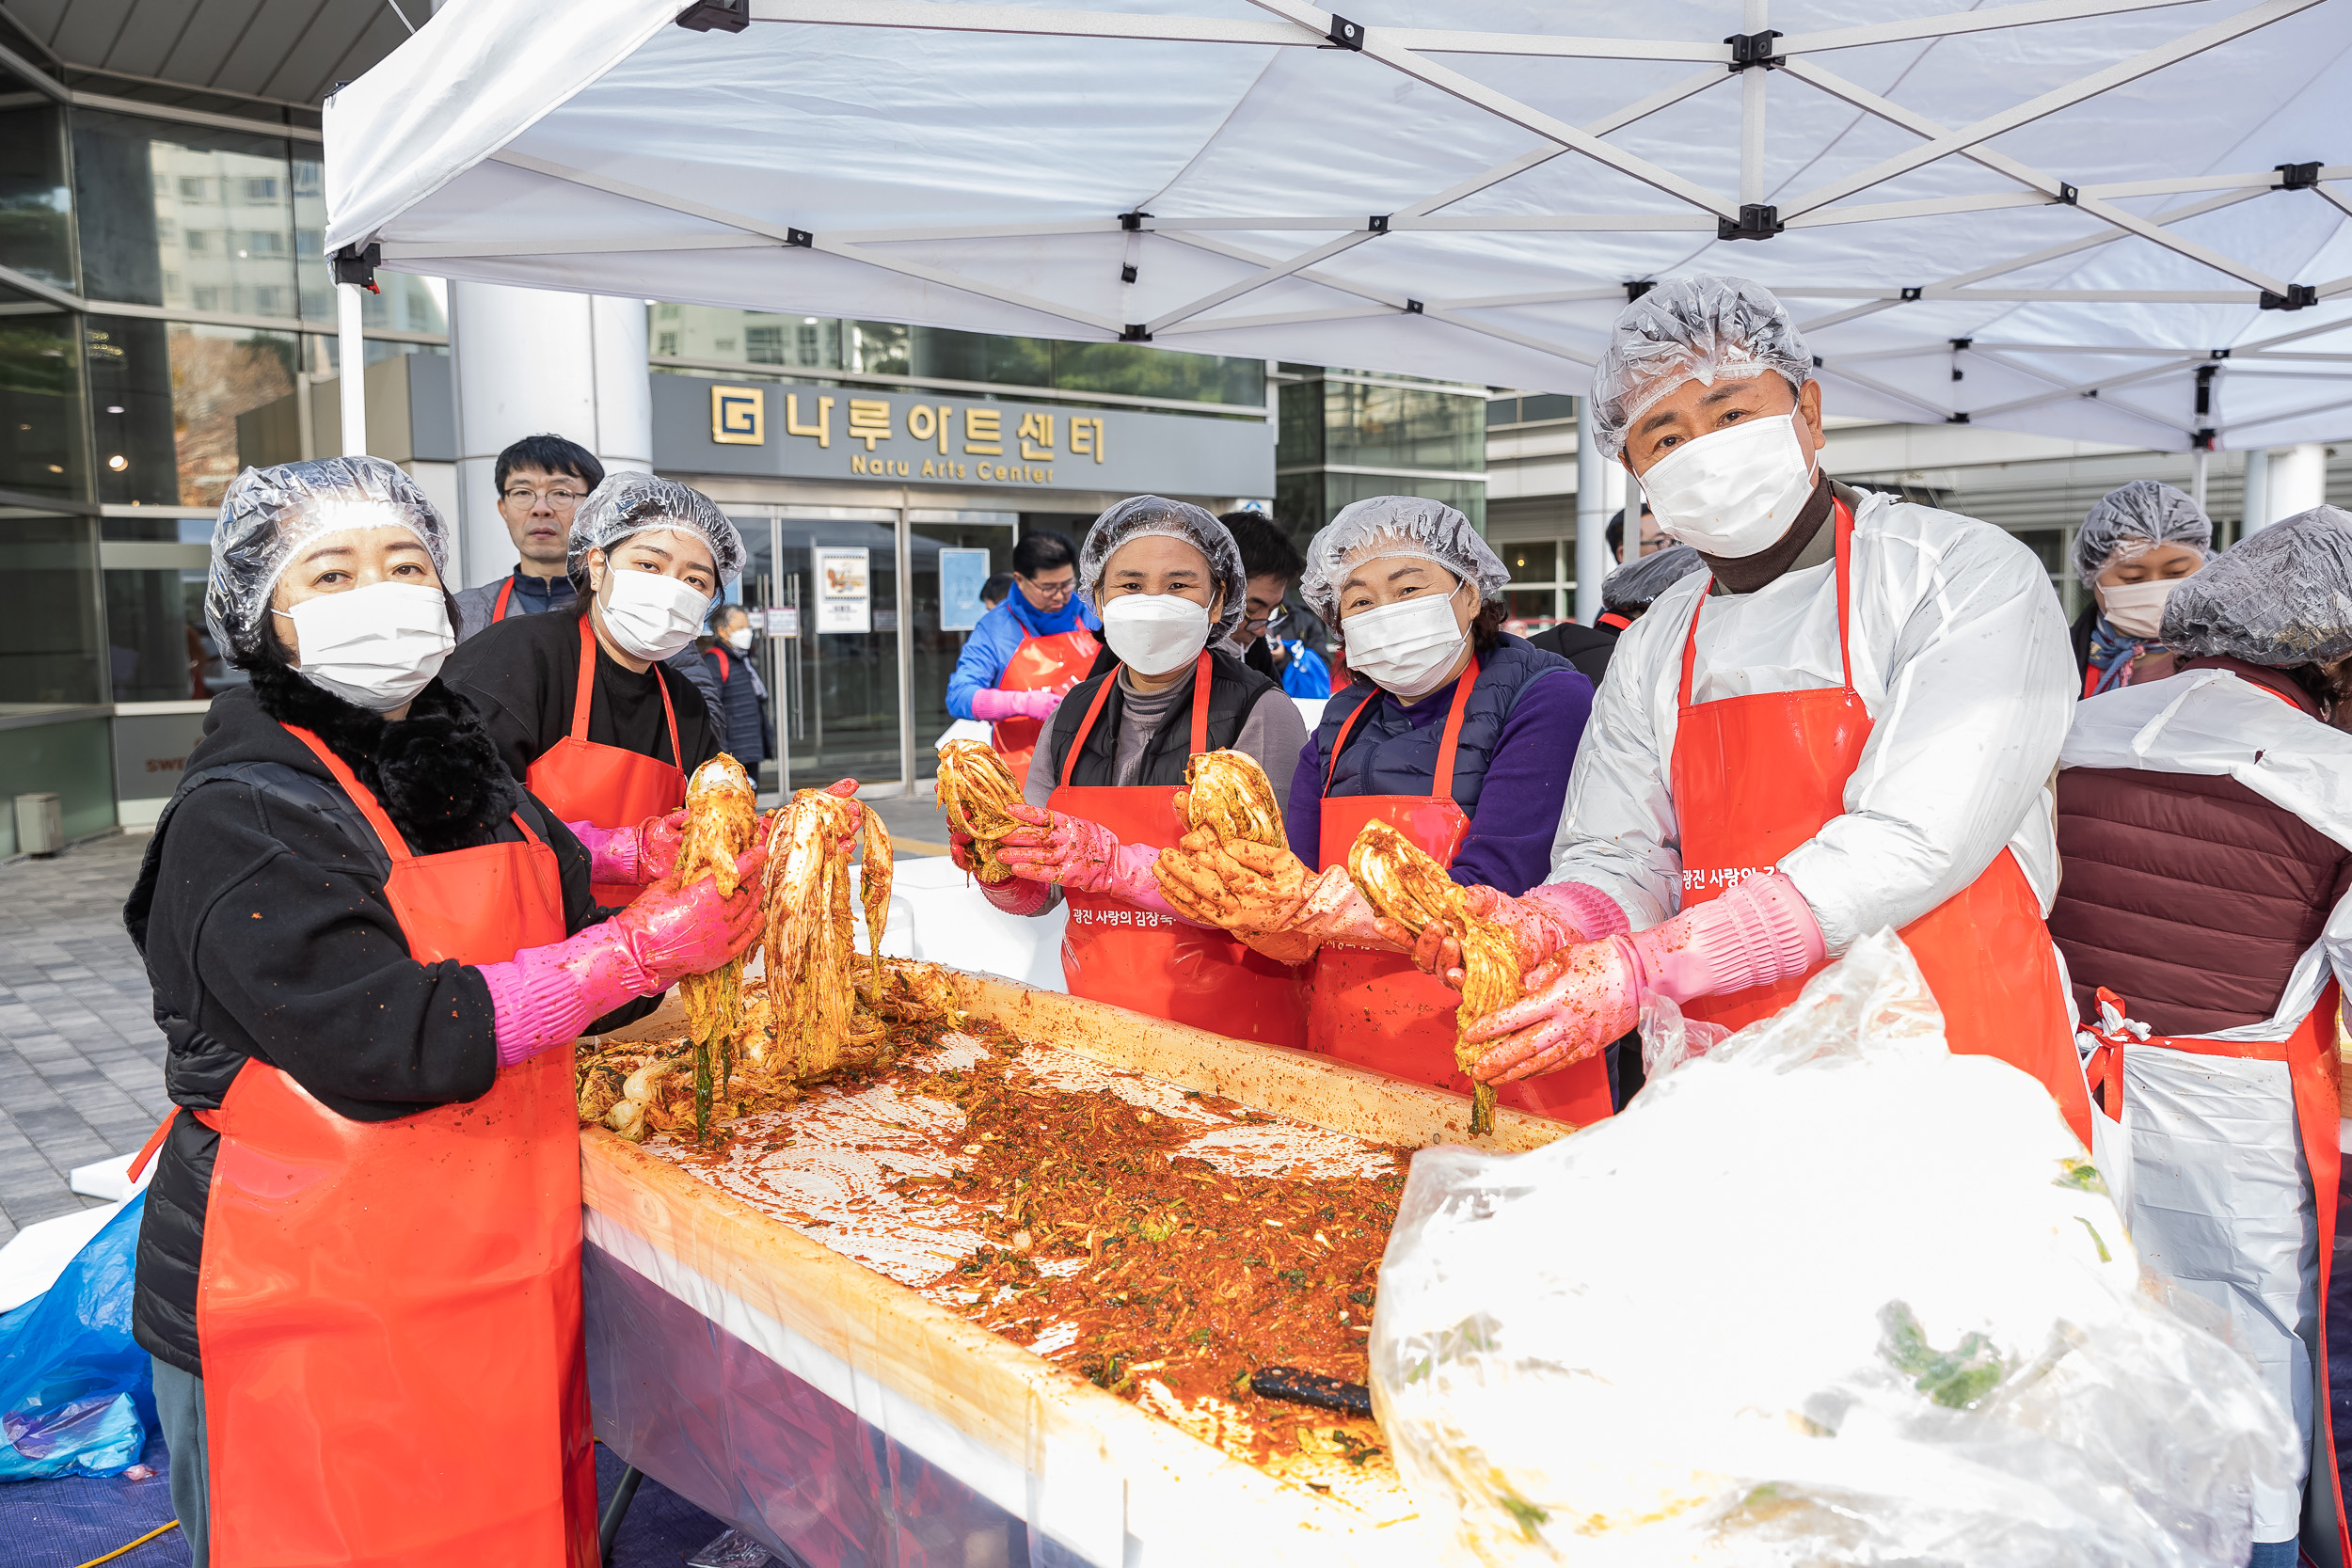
x=847, y=433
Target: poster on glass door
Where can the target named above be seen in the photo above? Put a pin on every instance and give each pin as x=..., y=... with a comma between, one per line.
x=962, y=573
x=844, y=589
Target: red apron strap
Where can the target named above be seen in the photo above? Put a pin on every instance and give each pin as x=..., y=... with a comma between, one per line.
x=1443, y=788
x=154, y=1141
x=1339, y=741
x=360, y=796
x=1201, y=703
x=1845, y=577
x=1611, y=618
x=1086, y=725
x=507, y=596
x=677, y=758
x=723, y=666
x=586, y=683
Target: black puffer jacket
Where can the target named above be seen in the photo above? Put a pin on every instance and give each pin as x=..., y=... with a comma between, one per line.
x=260, y=909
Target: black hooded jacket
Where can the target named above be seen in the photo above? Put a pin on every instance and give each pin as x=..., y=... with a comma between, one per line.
x=260, y=909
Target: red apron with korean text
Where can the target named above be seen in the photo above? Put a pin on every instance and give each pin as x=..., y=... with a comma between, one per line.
x=1375, y=1009
x=388, y=1312
x=583, y=780
x=1111, y=951
x=1753, y=777
x=1052, y=663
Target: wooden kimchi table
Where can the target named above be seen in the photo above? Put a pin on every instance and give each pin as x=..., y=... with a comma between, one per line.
x=843, y=1418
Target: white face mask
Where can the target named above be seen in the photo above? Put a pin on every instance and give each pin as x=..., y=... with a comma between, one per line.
x=2137, y=608
x=1155, y=633
x=650, y=615
x=741, y=639
x=375, y=646
x=1407, y=647
x=1735, y=492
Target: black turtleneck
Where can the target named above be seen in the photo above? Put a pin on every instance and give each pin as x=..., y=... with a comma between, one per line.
x=1745, y=574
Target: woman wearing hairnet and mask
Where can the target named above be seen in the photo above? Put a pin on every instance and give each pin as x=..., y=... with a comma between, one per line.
x=358, y=1270
x=588, y=712
x=2205, y=823
x=1166, y=578
x=2135, y=546
x=1455, y=734
x=1847, y=724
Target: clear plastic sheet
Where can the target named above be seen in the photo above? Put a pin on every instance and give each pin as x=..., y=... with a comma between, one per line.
x=76, y=1395
x=1409, y=526
x=1827, y=1294
x=2133, y=519
x=1157, y=517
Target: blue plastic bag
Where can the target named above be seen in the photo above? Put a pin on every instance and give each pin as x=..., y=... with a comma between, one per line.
x=76, y=1395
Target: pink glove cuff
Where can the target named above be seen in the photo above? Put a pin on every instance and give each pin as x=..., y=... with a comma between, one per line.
x=544, y=996
x=612, y=852
x=1587, y=910
x=1130, y=877
x=1018, y=896
x=1759, y=933
x=992, y=703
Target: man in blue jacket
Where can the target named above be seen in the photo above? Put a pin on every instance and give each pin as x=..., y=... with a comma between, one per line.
x=1027, y=651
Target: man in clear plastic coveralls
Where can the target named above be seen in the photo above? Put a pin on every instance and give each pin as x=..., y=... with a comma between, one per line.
x=2206, y=822
x=586, y=707
x=1849, y=723
x=2136, y=545
x=1166, y=578
x=358, y=1269
x=1455, y=732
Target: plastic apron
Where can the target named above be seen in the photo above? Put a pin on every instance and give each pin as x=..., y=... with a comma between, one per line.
x=583, y=781
x=1373, y=1008
x=2234, y=1169
x=1114, y=952
x=1756, y=776
x=389, y=1312
x=1051, y=663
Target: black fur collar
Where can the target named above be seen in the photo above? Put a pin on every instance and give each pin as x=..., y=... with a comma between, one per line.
x=436, y=772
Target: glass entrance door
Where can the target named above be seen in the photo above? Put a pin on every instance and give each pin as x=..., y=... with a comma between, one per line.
x=838, y=568
x=944, y=606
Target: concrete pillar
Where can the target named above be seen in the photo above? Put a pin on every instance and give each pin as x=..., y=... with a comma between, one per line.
x=527, y=361
x=1592, y=515
x=2298, y=480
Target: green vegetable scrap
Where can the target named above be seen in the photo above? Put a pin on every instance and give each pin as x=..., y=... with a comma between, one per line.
x=2083, y=1177
x=1526, y=1515
x=1955, y=1379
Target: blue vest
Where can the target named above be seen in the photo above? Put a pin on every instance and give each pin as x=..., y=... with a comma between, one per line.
x=1386, y=755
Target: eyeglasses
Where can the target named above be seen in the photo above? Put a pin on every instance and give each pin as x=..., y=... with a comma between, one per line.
x=1272, y=619
x=560, y=497
x=1051, y=590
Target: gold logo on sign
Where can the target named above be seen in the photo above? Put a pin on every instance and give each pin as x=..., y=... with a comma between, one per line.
x=735, y=417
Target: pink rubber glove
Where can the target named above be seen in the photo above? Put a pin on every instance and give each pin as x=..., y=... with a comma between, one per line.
x=1546, y=920
x=1071, y=850
x=634, y=856
x=998, y=702
x=544, y=996
x=1759, y=933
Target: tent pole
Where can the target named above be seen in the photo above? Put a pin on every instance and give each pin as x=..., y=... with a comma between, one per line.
x=2200, y=461
x=1752, y=112
x=1592, y=515
x=352, y=348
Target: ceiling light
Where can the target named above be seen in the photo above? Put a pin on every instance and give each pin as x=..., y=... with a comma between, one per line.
x=117, y=461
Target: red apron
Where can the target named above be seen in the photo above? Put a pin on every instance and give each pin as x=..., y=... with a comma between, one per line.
x=2315, y=1073
x=506, y=593
x=1375, y=1008
x=583, y=781
x=1753, y=777
x=1054, y=663
x=389, y=1312
x=1111, y=951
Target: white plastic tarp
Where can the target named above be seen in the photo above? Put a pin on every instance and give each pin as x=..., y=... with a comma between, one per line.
x=2050, y=216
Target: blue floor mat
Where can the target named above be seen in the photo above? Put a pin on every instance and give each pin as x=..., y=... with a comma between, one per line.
x=58, y=1524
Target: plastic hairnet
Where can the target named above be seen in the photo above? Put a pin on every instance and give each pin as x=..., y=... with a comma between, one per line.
x=632, y=502
x=2282, y=597
x=1637, y=584
x=1156, y=516
x=1403, y=526
x=268, y=513
x=2134, y=519
x=1700, y=328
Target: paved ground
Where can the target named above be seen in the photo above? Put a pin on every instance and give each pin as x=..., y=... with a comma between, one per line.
x=81, y=1060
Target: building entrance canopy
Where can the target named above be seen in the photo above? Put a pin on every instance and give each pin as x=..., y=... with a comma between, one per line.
x=2117, y=220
